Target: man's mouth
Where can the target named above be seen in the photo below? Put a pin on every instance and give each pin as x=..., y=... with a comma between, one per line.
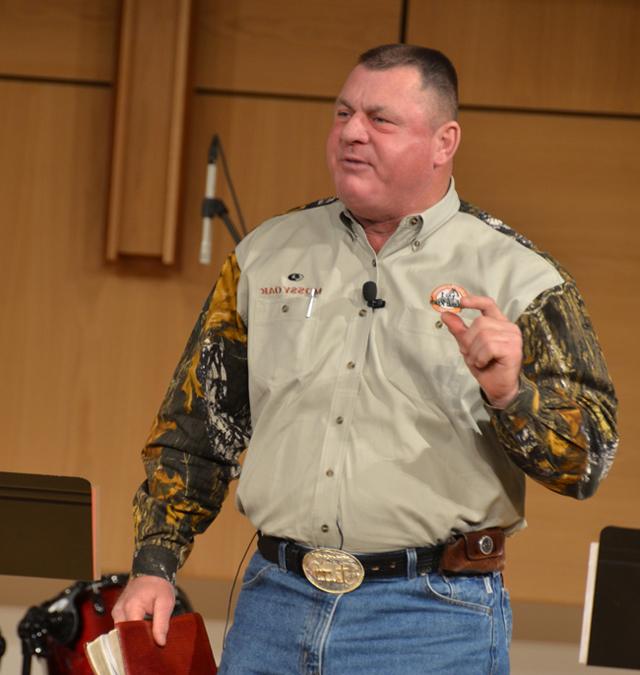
x=353, y=162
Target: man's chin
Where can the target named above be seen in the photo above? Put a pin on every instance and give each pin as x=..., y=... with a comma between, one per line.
x=361, y=204
x=356, y=194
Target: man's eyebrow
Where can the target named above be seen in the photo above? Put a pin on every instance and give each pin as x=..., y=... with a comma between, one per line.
x=344, y=102
x=371, y=110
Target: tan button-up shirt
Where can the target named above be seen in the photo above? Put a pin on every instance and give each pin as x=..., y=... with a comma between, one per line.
x=365, y=429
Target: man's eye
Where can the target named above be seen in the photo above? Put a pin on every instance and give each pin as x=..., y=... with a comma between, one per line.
x=342, y=113
x=380, y=120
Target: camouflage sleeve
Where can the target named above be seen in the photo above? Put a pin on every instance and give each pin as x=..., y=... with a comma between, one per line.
x=561, y=429
x=202, y=427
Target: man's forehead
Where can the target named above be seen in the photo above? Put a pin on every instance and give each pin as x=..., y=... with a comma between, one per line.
x=397, y=77
x=404, y=72
x=378, y=89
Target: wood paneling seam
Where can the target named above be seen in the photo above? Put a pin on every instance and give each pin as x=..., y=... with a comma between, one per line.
x=68, y=82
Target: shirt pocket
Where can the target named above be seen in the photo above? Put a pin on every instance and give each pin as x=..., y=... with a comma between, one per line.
x=281, y=339
x=424, y=358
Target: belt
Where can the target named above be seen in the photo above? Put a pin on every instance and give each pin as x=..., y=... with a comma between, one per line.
x=478, y=552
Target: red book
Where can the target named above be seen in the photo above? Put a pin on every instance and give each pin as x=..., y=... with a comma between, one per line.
x=129, y=649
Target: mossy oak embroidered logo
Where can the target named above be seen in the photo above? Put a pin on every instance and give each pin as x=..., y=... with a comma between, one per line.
x=289, y=290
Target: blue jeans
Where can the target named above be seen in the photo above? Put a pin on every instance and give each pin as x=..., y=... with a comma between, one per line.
x=400, y=626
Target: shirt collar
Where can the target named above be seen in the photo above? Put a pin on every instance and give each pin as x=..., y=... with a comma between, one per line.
x=425, y=222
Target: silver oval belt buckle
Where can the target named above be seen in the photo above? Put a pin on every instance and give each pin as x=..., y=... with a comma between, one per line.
x=332, y=571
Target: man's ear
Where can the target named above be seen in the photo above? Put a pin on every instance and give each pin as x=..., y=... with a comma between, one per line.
x=447, y=139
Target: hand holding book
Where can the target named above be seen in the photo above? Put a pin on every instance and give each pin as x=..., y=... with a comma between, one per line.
x=145, y=596
x=130, y=649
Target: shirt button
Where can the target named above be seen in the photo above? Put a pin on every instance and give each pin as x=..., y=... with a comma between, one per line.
x=339, y=420
x=363, y=312
x=351, y=365
x=374, y=262
x=439, y=324
x=329, y=473
x=415, y=220
x=325, y=528
x=285, y=308
x=416, y=244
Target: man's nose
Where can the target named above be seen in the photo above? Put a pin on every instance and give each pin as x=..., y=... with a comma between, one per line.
x=355, y=129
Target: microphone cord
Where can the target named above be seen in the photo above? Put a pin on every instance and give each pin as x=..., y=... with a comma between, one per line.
x=233, y=587
x=232, y=189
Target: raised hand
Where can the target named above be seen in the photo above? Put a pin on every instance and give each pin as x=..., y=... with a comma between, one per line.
x=491, y=347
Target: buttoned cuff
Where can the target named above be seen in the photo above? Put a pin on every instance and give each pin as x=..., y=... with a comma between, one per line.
x=155, y=561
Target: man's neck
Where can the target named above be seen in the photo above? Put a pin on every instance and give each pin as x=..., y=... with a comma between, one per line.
x=378, y=232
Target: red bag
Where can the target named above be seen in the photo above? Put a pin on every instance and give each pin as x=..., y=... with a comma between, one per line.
x=58, y=629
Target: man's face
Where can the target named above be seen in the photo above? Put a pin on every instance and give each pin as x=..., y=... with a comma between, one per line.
x=382, y=146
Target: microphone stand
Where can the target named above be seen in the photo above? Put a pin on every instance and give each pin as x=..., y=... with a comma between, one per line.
x=213, y=207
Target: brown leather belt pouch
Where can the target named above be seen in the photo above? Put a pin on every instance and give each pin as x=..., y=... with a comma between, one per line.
x=474, y=553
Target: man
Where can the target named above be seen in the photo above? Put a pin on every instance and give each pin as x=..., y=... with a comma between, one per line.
x=392, y=424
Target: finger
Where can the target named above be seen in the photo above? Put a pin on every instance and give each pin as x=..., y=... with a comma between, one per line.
x=498, y=346
x=455, y=324
x=135, y=613
x=483, y=328
x=161, y=615
x=480, y=356
x=117, y=614
x=126, y=610
x=488, y=330
x=125, y=607
x=486, y=305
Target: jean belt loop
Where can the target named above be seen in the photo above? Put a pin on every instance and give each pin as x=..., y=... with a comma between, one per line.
x=412, y=563
x=282, y=555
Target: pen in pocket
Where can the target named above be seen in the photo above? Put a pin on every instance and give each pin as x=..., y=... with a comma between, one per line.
x=312, y=299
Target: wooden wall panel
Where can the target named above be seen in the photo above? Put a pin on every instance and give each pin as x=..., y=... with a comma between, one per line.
x=87, y=348
x=287, y=46
x=148, y=137
x=72, y=39
x=570, y=55
x=569, y=185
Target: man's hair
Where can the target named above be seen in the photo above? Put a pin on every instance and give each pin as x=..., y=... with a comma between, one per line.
x=437, y=72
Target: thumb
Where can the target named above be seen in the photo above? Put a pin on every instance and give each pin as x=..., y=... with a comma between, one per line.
x=455, y=324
